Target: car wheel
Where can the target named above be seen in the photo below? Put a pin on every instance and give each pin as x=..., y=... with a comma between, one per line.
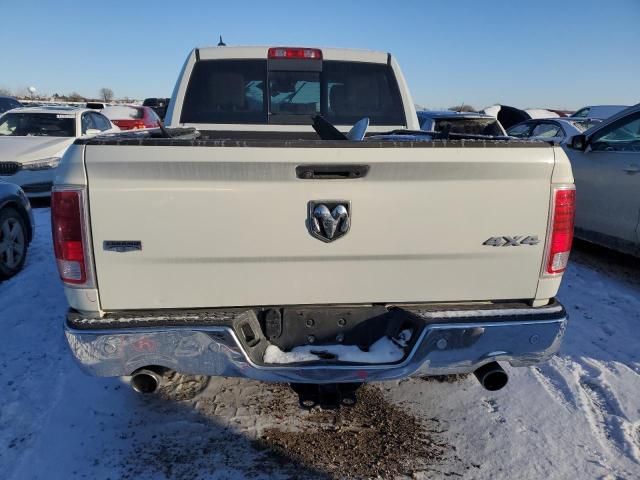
x=13, y=243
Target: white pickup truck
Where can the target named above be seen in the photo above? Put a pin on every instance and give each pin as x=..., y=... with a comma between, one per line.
x=237, y=241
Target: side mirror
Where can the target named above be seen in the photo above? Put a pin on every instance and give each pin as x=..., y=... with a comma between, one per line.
x=579, y=142
x=92, y=132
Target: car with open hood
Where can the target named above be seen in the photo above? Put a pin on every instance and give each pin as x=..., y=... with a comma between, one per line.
x=460, y=122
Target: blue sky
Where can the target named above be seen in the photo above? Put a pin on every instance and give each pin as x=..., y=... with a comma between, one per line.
x=541, y=53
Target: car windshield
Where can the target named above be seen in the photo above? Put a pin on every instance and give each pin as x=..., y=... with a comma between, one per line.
x=27, y=124
x=470, y=126
x=623, y=136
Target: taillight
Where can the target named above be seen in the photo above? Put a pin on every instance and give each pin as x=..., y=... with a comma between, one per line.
x=561, y=229
x=138, y=125
x=69, y=241
x=295, y=53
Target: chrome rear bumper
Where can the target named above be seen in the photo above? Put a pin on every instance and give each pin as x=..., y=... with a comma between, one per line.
x=461, y=344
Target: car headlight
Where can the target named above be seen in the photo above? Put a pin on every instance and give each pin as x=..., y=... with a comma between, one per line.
x=42, y=164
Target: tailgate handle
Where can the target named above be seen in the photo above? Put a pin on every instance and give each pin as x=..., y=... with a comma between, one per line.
x=331, y=172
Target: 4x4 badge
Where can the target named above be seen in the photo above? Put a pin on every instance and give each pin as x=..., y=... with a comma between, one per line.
x=329, y=220
x=514, y=241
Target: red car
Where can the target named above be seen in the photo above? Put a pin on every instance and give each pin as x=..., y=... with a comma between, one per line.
x=131, y=117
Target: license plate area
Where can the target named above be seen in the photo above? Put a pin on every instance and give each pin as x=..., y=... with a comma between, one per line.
x=291, y=327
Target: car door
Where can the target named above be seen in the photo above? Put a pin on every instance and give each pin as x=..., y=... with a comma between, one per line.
x=607, y=176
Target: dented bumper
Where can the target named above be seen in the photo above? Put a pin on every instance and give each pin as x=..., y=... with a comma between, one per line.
x=448, y=340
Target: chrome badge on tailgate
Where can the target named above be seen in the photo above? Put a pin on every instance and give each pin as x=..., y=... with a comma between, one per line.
x=329, y=220
x=122, y=245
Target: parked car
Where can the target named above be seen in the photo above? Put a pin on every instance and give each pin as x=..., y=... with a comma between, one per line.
x=558, y=130
x=8, y=103
x=131, y=117
x=33, y=139
x=95, y=105
x=599, y=111
x=16, y=229
x=460, y=122
x=236, y=255
x=606, y=165
x=510, y=116
x=159, y=105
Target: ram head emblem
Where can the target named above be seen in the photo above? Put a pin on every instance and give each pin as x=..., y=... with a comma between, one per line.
x=329, y=220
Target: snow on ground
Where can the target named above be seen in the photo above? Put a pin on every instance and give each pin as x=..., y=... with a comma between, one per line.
x=576, y=417
x=385, y=350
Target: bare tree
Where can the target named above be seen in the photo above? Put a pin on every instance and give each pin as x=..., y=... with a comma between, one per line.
x=5, y=92
x=106, y=94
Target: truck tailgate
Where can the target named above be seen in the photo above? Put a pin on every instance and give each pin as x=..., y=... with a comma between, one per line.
x=225, y=224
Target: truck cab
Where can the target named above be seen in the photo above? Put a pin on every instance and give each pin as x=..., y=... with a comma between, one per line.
x=279, y=89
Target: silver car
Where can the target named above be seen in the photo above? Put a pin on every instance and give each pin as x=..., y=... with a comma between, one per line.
x=558, y=130
x=606, y=167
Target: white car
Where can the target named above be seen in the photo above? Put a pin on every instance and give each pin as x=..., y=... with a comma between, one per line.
x=33, y=139
x=606, y=165
x=558, y=130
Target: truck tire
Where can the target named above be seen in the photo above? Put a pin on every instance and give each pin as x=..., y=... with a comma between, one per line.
x=13, y=243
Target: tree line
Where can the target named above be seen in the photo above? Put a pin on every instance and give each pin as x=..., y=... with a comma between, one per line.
x=105, y=94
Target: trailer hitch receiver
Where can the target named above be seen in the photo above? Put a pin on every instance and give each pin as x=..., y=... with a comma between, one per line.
x=328, y=396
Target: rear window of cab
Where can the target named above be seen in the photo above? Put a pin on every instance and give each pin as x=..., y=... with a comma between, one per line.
x=247, y=92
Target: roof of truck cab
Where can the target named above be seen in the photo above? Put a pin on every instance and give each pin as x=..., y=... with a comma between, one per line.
x=344, y=54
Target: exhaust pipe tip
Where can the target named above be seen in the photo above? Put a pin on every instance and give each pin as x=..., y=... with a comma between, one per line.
x=491, y=376
x=145, y=381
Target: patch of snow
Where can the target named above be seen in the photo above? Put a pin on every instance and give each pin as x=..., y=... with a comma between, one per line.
x=541, y=113
x=384, y=350
x=493, y=110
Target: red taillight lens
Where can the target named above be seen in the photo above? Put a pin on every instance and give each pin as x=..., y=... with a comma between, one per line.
x=68, y=239
x=561, y=234
x=295, y=53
